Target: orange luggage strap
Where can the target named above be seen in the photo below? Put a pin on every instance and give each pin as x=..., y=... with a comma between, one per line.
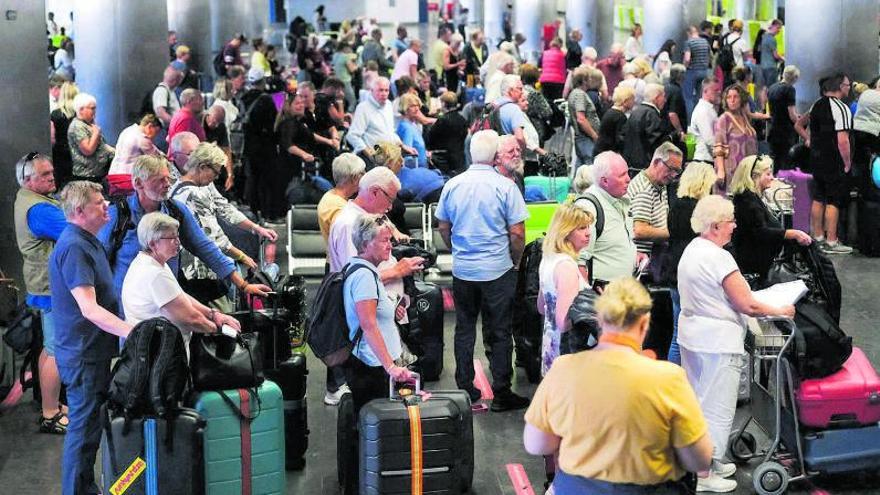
x=415, y=442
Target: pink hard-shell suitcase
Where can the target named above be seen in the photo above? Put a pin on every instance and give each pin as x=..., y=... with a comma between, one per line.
x=849, y=397
x=801, y=196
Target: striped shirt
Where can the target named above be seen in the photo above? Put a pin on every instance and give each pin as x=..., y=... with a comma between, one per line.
x=828, y=116
x=649, y=204
x=699, y=50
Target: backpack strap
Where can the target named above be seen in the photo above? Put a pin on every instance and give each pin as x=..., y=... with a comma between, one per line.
x=347, y=270
x=162, y=365
x=140, y=370
x=120, y=228
x=600, y=212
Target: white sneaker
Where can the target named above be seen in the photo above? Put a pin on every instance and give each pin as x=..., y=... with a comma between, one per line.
x=836, y=247
x=332, y=398
x=715, y=483
x=724, y=470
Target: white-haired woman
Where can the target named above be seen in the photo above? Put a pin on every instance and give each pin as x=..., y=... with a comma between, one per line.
x=711, y=327
x=89, y=151
x=150, y=289
x=370, y=314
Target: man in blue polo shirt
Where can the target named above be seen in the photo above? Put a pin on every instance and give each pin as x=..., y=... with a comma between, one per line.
x=84, y=305
x=513, y=119
x=481, y=216
x=152, y=181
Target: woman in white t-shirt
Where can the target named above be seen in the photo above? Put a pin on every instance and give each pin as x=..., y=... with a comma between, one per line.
x=711, y=327
x=561, y=280
x=150, y=290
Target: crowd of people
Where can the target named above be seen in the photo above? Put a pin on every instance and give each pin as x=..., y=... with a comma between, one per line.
x=359, y=128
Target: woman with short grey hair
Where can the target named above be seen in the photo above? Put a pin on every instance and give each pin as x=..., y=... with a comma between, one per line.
x=371, y=314
x=150, y=289
x=348, y=169
x=89, y=151
x=711, y=327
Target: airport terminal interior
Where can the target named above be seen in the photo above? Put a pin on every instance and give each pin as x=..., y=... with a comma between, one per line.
x=121, y=50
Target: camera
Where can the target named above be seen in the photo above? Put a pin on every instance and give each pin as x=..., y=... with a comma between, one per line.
x=553, y=165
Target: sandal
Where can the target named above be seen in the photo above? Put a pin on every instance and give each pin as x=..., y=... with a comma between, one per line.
x=53, y=425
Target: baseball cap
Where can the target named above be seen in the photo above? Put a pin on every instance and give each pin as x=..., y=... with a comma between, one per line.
x=255, y=74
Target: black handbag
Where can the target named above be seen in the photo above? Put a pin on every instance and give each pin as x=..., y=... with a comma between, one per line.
x=219, y=362
x=24, y=330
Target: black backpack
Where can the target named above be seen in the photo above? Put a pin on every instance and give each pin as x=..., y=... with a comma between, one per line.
x=219, y=64
x=528, y=324
x=147, y=102
x=726, y=59
x=600, y=225
x=328, y=328
x=152, y=373
x=810, y=264
x=124, y=224
x=822, y=347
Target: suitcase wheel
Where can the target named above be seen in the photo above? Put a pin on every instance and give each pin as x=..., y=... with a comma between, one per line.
x=770, y=478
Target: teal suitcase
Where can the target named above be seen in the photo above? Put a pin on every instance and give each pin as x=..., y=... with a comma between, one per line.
x=228, y=434
x=555, y=188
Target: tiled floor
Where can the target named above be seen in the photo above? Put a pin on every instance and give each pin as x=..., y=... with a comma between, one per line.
x=29, y=462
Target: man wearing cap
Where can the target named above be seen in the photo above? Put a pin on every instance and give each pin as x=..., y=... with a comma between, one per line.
x=232, y=51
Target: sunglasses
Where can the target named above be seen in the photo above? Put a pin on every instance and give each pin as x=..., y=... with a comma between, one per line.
x=27, y=159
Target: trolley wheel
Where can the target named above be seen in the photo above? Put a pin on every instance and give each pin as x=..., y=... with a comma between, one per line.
x=742, y=446
x=770, y=478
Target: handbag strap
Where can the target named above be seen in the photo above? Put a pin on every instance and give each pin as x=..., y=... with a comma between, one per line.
x=244, y=414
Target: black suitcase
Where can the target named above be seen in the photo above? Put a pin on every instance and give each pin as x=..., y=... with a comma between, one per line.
x=346, y=450
x=660, y=329
x=129, y=452
x=291, y=377
x=528, y=323
x=275, y=330
x=426, y=323
x=447, y=443
x=869, y=228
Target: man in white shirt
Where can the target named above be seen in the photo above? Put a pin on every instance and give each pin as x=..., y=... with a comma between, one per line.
x=408, y=62
x=373, y=121
x=703, y=119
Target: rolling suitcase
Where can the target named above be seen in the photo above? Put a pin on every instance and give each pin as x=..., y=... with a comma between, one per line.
x=426, y=312
x=149, y=456
x=346, y=440
x=244, y=441
x=412, y=445
x=850, y=397
x=291, y=377
x=660, y=329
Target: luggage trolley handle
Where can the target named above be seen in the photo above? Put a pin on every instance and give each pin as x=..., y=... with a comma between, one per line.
x=395, y=396
x=786, y=322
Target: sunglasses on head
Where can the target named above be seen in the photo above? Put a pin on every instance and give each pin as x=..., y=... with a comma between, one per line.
x=27, y=159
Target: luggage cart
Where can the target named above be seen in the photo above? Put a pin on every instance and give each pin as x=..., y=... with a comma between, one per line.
x=795, y=452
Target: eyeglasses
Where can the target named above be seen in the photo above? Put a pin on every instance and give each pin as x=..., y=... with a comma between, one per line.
x=387, y=196
x=675, y=171
x=174, y=239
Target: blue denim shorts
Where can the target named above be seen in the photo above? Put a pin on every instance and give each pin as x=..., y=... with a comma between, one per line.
x=48, y=331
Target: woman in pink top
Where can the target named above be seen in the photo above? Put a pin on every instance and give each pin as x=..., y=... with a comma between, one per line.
x=553, y=71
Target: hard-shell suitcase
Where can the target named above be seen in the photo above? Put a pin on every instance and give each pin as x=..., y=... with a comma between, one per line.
x=850, y=397
x=410, y=445
x=291, y=377
x=150, y=457
x=346, y=442
x=842, y=451
x=427, y=308
x=802, y=202
x=230, y=435
x=555, y=188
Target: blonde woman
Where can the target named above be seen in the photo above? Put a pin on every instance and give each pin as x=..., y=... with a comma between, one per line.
x=60, y=122
x=735, y=138
x=696, y=183
x=612, y=127
x=760, y=236
x=560, y=281
x=410, y=131
x=638, y=429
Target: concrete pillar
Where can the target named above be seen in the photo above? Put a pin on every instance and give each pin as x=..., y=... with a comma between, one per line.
x=746, y=9
x=664, y=19
x=843, y=37
x=527, y=20
x=122, y=51
x=492, y=11
x=24, y=120
x=595, y=19
x=192, y=21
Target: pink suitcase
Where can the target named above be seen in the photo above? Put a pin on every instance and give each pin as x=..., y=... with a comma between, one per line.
x=802, y=202
x=849, y=397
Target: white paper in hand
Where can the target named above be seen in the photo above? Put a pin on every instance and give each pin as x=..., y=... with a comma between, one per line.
x=782, y=294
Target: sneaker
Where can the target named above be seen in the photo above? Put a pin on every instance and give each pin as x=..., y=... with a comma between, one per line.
x=724, y=470
x=474, y=394
x=332, y=398
x=508, y=401
x=836, y=247
x=715, y=483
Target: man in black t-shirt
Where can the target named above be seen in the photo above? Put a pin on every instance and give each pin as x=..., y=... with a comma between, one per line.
x=783, y=115
x=830, y=122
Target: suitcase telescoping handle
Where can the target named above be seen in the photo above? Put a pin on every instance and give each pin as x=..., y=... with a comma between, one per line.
x=393, y=395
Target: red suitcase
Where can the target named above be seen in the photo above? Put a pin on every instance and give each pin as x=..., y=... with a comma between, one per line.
x=849, y=397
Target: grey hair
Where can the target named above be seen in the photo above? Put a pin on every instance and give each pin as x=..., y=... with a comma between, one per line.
x=24, y=169
x=583, y=179
x=676, y=72
x=603, y=162
x=378, y=176
x=188, y=95
x=484, y=146
x=665, y=151
x=366, y=228
x=206, y=154
x=790, y=73
x=652, y=91
x=77, y=194
x=146, y=166
x=81, y=100
x=347, y=168
x=509, y=81
x=711, y=209
x=589, y=53
x=152, y=226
